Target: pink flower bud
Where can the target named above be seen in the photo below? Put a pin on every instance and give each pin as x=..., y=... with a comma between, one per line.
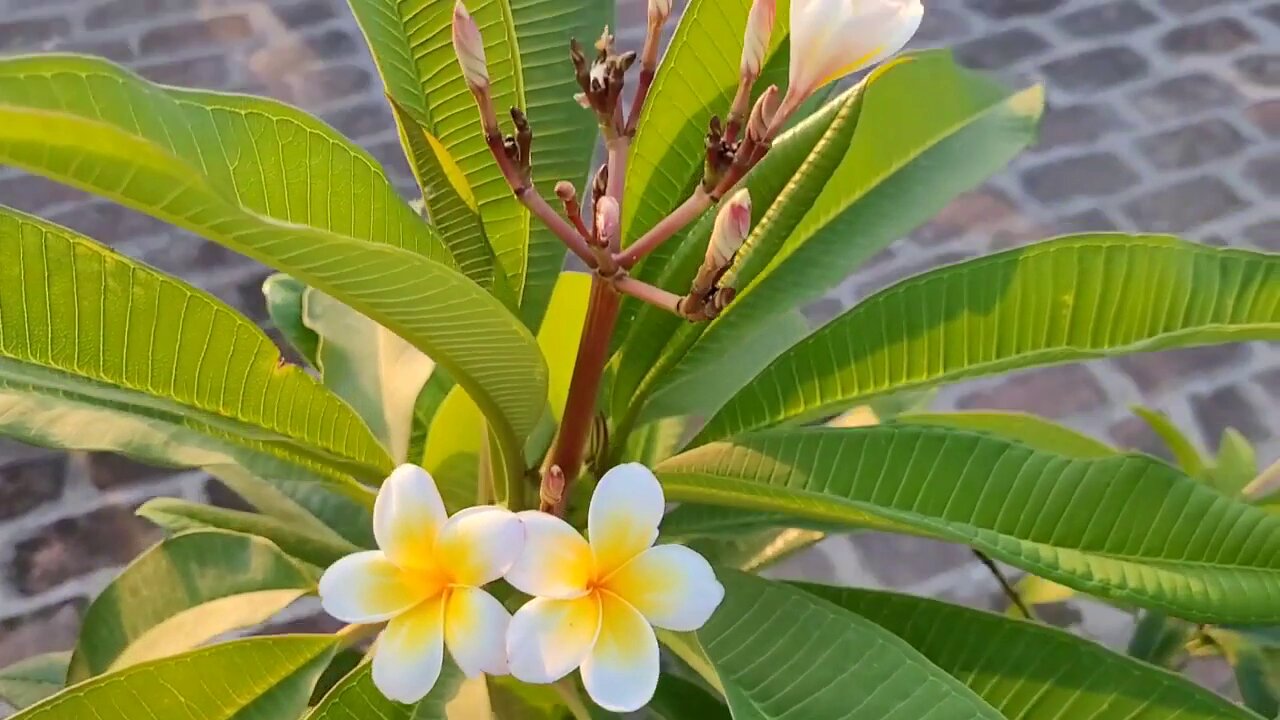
x=733, y=224
x=469, y=46
x=762, y=114
x=659, y=10
x=756, y=42
x=608, y=219
x=834, y=38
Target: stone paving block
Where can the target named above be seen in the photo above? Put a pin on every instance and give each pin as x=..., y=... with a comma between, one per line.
x=1183, y=96
x=1223, y=408
x=1265, y=173
x=1192, y=145
x=1073, y=390
x=1107, y=18
x=1095, y=70
x=1002, y=49
x=1083, y=176
x=1219, y=35
x=1184, y=205
x=71, y=547
x=1081, y=124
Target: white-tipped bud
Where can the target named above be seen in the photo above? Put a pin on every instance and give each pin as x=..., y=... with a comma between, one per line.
x=582, y=99
x=608, y=219
x=755, y=44
x=733, y=224
x=659, y=10
x=469, y=46
x=762, y=114
x=834, y=38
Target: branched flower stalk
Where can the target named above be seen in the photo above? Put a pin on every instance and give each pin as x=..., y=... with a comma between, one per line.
x=733, y=147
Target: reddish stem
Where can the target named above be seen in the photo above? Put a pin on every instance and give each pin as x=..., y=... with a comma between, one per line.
x=645, y=292
x=678, y=220
x=580, y=408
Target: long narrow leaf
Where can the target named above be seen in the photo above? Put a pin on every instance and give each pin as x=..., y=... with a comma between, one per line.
x=1063, y=300
x=1126, y=527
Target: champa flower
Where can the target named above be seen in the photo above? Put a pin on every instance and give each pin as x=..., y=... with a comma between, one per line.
x=756, y=41
x=595, y=601
x=833, y=38
x=425, y=580
x=469, y=47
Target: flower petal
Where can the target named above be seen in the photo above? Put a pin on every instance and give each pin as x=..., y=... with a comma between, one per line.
x=556, y=562
x=367, y=588
x=624, y=515
x=410, y=652
x=407, y=516
x=671, y=585
x=475, y=630
x=549, y=638
x=621, y=673
x=479, y=544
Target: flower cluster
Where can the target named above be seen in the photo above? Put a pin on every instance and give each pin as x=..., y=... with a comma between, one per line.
x=595, y=602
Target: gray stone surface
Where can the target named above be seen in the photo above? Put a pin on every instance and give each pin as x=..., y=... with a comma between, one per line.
x=1164, y=116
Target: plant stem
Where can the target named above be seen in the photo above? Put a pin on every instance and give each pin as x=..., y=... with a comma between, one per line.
x=572, y=699
x=695, y=205
x=647, y=293
x=1005, y=585
x=580, y=407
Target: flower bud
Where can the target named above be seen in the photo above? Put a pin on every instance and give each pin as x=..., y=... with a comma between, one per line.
x=733, y=224
x=756, y=42
x=608, y=219
x=762, y=114
x=834, y=38
x=469, y=46
x=659, y=10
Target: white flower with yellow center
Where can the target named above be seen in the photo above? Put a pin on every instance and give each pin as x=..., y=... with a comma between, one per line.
x=596, y=602
x=834, y=38
x=425, y=579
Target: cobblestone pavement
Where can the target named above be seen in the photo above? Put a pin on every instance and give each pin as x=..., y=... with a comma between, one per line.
x=1164, y=116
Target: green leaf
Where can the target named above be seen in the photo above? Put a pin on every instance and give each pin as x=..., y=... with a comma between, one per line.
x=26, y=683
x=1237, y=463
x=449, y=200
x=1258, y=677
x=654, y=328
x=781, y=652
x=257, y=679
x=357, y=697
x=1182, y=548
x=100, y=352
x=1029, y=671
x=526, y=45
x=656, y=441
x=1184, y=451
x=284, y=305
x=340, y=514
x=756, y=551
x=1027, y=429
x=696, y=80
x=181, y=593
x=560, y=335
x=736, y=370
x=926, y=131
x=679, y=699
x=180, y=516
x=372, y=368
x=282, y=188
x=1063, y=300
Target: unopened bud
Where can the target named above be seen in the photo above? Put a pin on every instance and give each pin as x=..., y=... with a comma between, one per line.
x=756, y=42
x=565, y=191
x=832, y=39
x=469, y=46
x=659, y=10
x=608, y=220
x=732, y=226
x=763, y=113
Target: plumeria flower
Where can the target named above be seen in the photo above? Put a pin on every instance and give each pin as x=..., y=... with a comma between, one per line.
x=834, y=38
x=595, y=603
x=756, y=40
x=425, y=579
